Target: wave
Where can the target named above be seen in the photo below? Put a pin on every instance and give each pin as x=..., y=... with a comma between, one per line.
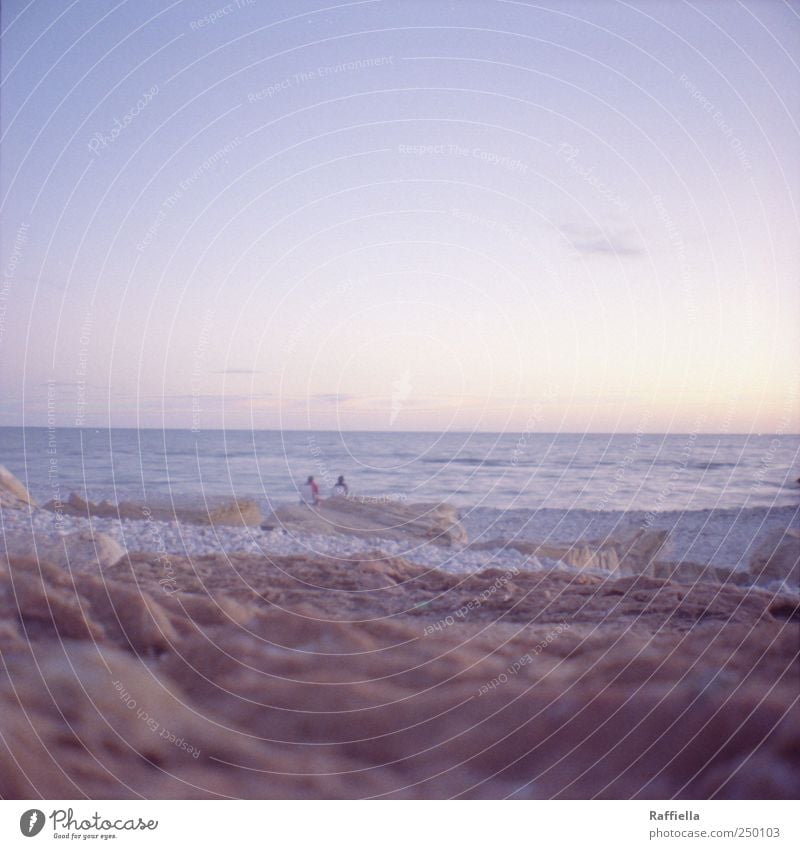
x=477, y=463
x=679, y=462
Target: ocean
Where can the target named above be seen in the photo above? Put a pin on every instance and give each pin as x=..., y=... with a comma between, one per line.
x=530, y=471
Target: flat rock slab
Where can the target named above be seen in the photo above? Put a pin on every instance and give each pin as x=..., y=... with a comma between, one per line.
x=209, y=511
x=373, y=517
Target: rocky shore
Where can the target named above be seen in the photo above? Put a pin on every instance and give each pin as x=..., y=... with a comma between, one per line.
x=569, y=670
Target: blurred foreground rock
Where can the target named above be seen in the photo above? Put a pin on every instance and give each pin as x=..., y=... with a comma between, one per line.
x=299, y=677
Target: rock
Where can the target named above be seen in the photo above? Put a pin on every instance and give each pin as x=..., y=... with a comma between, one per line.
x=130, y=618
x=686, y=572
x=210, y=511
x=109, y=722
x=239, y=511
x=777, y=558
x=76, y=506
x=80, y=550
x=12, y=493
x=200, y=609
x=637, y=550
x=295, y=677
x=102, y=724
x=631, y=553
x=46, y=600
x=349, y=590
x=37, y=595
x=373, y=517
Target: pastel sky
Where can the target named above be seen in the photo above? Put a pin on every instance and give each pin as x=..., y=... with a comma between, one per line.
x=411, y=215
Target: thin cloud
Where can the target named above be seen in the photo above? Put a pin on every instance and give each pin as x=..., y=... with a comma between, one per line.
x=214, y=396
x=331, y=397
x=595, y=241
x=67, y=384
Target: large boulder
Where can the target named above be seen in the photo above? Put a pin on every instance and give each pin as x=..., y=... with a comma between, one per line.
x=194, y=511
x=12, y=492
x=777, y=558
x=372, y=517
x=82, y=550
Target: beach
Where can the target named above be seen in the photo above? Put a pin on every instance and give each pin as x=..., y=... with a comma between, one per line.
x=399, y=401
x=725, y=538
x=375, y=647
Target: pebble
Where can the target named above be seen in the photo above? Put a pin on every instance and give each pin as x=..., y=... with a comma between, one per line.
x=722, y=537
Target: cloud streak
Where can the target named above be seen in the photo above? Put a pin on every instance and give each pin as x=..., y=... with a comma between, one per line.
x=596, y=241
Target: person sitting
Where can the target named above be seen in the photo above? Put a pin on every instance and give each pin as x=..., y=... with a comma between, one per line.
x=310, y=492
x=341, y=488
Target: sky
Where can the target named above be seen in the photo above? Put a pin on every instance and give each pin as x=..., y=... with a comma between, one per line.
x=480, y=215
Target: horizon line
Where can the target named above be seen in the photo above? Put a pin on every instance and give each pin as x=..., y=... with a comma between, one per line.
x=394, y=431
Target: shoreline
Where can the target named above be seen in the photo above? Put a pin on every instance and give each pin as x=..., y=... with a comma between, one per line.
x=723, y=538
x=326, y=665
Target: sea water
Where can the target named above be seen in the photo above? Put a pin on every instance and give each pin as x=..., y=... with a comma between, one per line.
x=529, y=471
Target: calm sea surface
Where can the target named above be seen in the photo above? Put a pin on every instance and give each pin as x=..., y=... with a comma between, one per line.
x=526, y=471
